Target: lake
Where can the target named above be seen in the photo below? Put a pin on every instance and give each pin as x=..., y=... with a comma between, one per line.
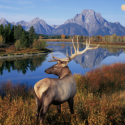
x=32, y=69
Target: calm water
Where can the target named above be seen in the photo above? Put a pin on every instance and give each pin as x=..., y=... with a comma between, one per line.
x=32, y=70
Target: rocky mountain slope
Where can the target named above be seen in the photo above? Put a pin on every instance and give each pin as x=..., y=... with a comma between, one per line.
x=70, y=29
x=4, y=21
x=87, y=23
x=95, y=24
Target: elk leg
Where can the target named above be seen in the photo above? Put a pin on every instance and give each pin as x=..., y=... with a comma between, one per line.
x=71, y=101
x=39, y=104
x=59, y=108
x=43, y=112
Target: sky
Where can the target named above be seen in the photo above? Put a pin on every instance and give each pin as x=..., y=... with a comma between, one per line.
x=56, y=12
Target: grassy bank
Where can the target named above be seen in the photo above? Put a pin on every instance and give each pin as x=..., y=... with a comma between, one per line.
x=11, y=52
x=106, y=44
x=58, y=40
x=102, y=43
x=100, y=99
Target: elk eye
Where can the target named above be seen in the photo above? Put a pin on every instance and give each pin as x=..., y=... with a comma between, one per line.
x=55, y=66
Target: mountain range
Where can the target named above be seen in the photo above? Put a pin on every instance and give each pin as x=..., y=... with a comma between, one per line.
x=87, y=23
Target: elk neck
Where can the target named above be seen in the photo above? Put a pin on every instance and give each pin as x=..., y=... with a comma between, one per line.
x=64, y=72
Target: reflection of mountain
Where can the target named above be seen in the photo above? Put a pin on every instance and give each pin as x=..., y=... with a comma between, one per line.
x=90, y=58
x=94, y=57
x=21, y=65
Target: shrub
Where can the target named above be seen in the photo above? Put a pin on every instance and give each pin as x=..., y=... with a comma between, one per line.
x=17, y=102
x=17, y=44
x=105, y=79
x=2, y=41
x=39, y=44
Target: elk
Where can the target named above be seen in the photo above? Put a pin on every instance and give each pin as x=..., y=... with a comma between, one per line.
x=58, y=90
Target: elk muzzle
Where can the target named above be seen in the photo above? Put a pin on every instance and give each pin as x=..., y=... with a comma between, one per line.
x=46, y=71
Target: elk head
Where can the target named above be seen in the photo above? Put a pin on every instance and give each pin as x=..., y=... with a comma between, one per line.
x=60, y=69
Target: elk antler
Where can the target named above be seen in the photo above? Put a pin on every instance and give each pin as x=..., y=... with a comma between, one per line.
x=77, y=52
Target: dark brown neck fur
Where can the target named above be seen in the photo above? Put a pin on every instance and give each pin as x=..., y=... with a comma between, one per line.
x=64, y=72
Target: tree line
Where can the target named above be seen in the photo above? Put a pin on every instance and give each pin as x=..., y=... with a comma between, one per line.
x=11, y=34
x=108, y=38
x=43, y=36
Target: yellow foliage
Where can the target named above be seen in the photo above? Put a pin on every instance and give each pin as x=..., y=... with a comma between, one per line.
x=2, y=41
x=63, y=36
x=18, y=106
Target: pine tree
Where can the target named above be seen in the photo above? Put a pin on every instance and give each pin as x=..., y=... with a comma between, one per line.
x=24, y=39
x=1, y=30
x=7, y=32
x=18, y=32
x=32, y=36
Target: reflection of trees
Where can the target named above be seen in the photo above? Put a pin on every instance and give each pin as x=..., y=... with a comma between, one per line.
x=1, y=67
x=62, y=45
x=113, y=50
x=123, y=50
x=1, y=63
x=22, y=65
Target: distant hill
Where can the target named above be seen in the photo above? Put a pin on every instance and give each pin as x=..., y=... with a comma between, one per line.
x=87, y=23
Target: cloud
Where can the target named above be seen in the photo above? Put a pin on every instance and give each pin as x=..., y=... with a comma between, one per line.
x=5, y=7
x=18, y=2
x=9, y=7
x=22, y=2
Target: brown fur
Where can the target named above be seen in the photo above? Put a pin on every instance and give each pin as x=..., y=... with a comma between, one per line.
x=55, y=91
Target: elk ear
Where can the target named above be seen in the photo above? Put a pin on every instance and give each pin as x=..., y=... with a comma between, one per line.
x=64, y=64
x=58, y=62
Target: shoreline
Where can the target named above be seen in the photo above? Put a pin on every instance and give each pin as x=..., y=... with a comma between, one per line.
x=101, y=44
x=21, y=55
x=109, y=46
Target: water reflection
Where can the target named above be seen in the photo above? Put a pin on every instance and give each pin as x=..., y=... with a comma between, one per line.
x=113, y=50
x=21, y=65
x=32, y=69
x=90, y=58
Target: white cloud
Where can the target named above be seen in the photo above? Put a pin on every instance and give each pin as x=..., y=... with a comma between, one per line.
x=9, y=7
x=22, y=2
x=5, y=7
x=18, y=2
